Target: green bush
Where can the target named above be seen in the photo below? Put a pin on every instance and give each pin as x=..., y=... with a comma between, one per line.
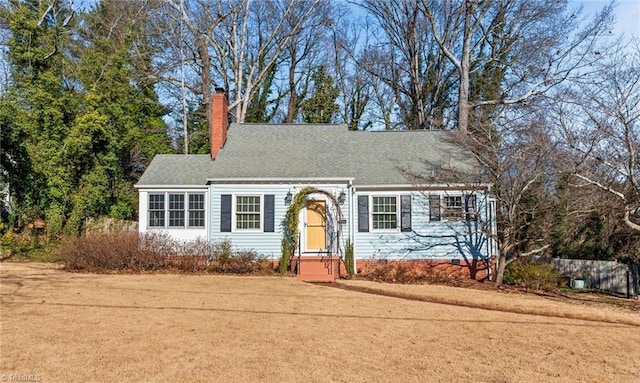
x=283, y=264
x=27, y=246
x=349, y=259
x=531, y=274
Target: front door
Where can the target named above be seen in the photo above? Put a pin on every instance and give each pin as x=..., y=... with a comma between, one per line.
x=316, y=230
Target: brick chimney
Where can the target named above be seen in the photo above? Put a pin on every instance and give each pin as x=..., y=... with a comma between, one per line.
x=219, y=121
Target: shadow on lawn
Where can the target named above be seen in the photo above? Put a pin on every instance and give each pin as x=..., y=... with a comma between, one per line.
x=512, y=310
x=603, y=323
x=14, y=286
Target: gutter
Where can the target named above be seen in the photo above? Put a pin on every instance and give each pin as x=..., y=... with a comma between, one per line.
x=200, y=186
x=347, y=180
x=481, y=186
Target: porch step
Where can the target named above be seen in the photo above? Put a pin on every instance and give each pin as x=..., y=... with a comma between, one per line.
x=317, y=268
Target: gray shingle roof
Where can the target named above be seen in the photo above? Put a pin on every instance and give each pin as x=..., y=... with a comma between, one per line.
x=258, y=151
x=177, y=169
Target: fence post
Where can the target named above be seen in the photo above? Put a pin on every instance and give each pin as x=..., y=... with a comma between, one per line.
x=629, y=282
x=633, y=269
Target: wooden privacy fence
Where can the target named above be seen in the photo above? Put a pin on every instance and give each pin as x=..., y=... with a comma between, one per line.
x=604, y=275
x=109, y=225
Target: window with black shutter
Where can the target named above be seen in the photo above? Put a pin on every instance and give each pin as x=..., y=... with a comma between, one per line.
x=363, y=213
x=405, y=213
x=434, y=207
x=470, y=207
x=269, y=213
x=225, y=213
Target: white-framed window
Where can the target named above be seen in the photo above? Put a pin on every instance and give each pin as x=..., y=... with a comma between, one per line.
x=384, y=212
x=196, y=209
x=248, y=212
x=176, y=210
x=156, y=210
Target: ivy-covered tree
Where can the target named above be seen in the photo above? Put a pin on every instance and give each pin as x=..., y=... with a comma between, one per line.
x=81, y=114
x=119, y=127
x=43, y=103
x=321, y=107
x=15, y=164
x=262, y=108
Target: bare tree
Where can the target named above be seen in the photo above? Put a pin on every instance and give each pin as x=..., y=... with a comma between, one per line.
x=520, y=173
x=237, y=44
x=404, y=58
x=508, y=56
x=357, y=87
x=601, y=130
x=305, y=49
x=527, y=42
x=237, y=48
x=200, y=19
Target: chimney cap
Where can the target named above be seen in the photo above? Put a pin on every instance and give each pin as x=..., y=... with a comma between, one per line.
x=219, y=89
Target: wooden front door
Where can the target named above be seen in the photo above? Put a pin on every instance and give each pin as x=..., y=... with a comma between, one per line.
x=316, y=230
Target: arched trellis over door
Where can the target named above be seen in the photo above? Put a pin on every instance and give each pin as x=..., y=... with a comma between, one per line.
x=290, y=239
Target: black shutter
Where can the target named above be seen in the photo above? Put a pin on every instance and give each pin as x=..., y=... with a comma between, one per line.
x=363, y=213
x=225, y=213
x=405, y=213
x=470, y=207
x=434, y=207
x=269, y=214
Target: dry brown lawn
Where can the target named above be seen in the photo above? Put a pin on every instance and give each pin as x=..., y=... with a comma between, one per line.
x=62, y=327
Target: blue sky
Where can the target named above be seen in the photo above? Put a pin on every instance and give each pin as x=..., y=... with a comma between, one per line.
x=627, y=15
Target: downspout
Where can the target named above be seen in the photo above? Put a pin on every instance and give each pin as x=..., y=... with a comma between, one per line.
x=486, y=218
x=350, y=198
x=491, y=245
x=209, y=225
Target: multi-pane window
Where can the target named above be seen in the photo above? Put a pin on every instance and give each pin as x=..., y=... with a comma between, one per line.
x=384, y=213
x=248, y=212
x=174, y=206
x=452, y=208
x=156, y=210
x=176, y=210
x=196, y=210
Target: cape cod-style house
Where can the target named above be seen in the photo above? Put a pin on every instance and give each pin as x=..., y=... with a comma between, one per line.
x=393, y=195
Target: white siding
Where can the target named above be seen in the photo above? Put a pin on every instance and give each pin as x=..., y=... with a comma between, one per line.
x=180, y=234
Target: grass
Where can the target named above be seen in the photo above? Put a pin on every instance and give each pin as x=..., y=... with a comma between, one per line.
x=164, y=327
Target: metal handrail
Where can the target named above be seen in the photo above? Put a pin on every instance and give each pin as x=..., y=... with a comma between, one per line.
x=299, y=254
x=329, y=252
x=338, y=252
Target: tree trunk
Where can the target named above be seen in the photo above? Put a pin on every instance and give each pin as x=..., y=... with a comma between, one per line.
x=293, y=105
x=292, y=108
x=203, y=52
x=502, y=266
x=465, y=68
